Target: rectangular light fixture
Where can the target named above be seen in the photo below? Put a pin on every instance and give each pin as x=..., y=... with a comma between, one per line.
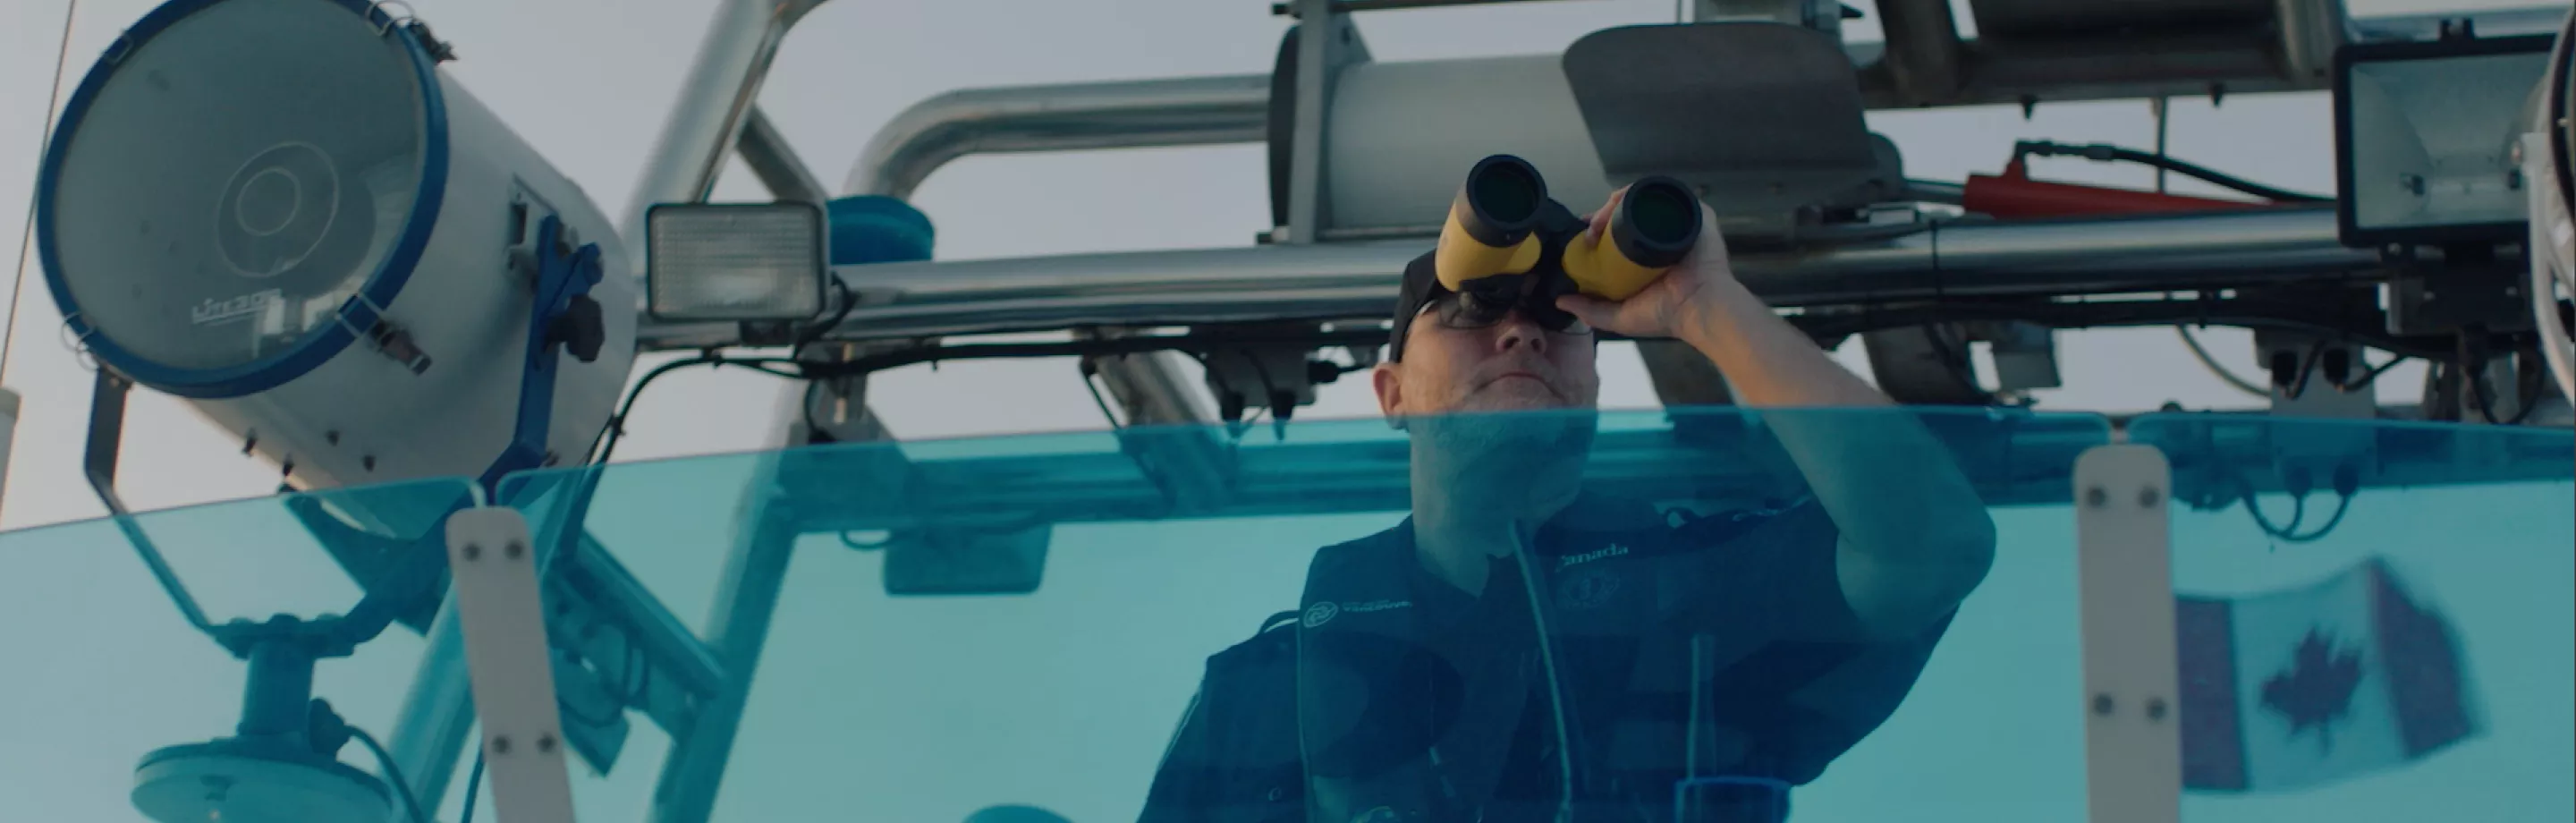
x=735, y=261
x=2424, y=135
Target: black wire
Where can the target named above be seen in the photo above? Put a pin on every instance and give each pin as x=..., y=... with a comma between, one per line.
x=2298, y=514
x=847, y=300
x=2290, y=533
x=2104, y=153
x=2472, y=370
x=2371, y=377
x=393, y=773
x=605, y=443
x=2346, y=486
x=2307, y=367
x=473, y=783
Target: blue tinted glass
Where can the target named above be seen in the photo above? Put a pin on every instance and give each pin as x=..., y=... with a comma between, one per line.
x=2394, y=644
x=962, y=625
x=103, y=669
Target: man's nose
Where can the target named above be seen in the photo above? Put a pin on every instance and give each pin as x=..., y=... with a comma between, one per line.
x=1517, y=330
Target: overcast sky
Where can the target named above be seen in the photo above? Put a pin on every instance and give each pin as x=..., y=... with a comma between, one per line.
x=587, y=82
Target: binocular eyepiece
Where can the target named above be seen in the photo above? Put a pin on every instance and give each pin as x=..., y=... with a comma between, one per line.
x=1503, y=223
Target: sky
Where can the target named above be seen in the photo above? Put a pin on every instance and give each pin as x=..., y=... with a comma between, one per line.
x=587, y=84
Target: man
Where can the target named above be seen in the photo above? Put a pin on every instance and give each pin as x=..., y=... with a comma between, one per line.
x=1521, y=649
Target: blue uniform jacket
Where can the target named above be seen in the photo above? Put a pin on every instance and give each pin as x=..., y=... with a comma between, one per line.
x=1711, y=651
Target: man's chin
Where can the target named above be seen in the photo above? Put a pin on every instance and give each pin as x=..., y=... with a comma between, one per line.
x=1512, y=427
x=1514, y=395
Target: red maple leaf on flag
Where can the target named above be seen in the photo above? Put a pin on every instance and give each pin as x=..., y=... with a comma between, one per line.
x=2317, y=688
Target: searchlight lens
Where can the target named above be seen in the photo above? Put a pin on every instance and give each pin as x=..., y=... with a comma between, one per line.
x=220, y=189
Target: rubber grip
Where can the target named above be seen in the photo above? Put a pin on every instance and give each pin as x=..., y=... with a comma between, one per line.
x=1598, y=269
x=1461, y=258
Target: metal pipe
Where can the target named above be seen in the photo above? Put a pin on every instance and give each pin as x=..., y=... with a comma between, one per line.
x=1923, y=58
x=714, y=101
x=747, y=598
x=2311, y=30
x=766, y=151
x=1184, y=112
x=1358, y=281
x=1194, y=111
x=667, y=643
x=437, y=713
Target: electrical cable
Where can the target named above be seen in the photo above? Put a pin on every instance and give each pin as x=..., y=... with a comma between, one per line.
x=473, y=784
x=2307, y=368
x=2471, y=368
x=44, y=142
x=393, y=773
x=846, y=301
x=2347, y=485
x=2101, y=152
x=2211, y=363
x=2485, y=396
x=1565, y=747
x=605, y=443
x=2290, y=533
x=2371, y=377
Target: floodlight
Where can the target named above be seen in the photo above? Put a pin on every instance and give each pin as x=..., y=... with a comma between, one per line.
x=2424, y=136
x=735, y=261
x=285, y=212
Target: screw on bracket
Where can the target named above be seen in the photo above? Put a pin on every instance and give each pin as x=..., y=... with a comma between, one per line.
x=2148, y=497
x=2102, y=704
x=473, y=552
x=514, y=550
x=501, y=744
x=2155, y=708
x=2096, y=497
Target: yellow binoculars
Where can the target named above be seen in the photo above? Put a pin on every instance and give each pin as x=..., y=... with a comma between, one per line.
x=1502, y=224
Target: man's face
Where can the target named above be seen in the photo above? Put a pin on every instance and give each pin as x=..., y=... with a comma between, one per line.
x=1511, y=365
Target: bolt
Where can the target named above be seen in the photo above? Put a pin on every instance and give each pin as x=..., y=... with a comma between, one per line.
x=2155, y=708
x=546, y=744
x=2102, y=704
x=368, y=462
x=2096, y=497
x=2148, y=497
x=513, y=550
x=501, y=745
x=473, y=552
x=331, y=437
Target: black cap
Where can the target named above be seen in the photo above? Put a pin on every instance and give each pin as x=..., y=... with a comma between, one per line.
x=1421, y=287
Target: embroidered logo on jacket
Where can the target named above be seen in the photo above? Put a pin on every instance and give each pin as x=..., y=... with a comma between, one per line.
x=1572, y=560
x=1324, y=612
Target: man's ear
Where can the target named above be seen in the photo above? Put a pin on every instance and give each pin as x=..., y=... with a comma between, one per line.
x=1387, y=379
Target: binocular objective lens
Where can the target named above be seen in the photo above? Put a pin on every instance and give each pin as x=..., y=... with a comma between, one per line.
x=1663, y=213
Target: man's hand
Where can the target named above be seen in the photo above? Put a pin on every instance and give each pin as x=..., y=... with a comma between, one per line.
x=1915, y=538
x=1672, y=306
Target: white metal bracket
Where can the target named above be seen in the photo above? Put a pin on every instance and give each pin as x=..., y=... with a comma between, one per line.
x=493, y=563
x=2132, y=729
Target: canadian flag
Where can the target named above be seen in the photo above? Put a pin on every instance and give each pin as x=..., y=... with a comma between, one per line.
x=2309, y=686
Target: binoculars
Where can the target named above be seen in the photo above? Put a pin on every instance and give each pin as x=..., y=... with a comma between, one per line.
x=1507, y=244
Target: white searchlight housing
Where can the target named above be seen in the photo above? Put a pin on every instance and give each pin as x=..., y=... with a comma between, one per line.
x=283, y=211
